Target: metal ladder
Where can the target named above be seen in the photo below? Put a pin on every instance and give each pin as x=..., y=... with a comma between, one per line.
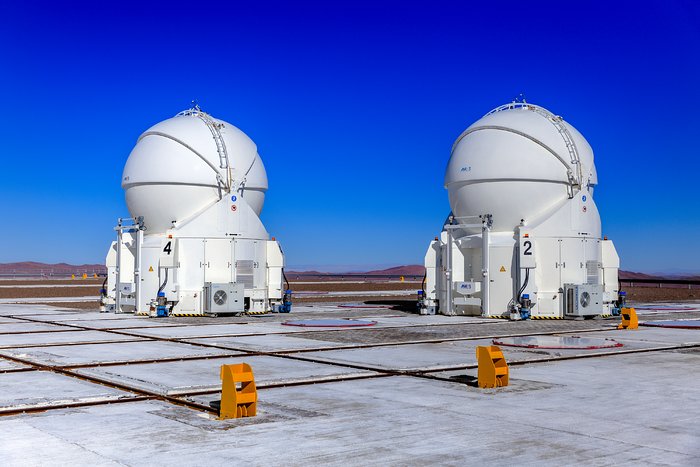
x=564, y=132
x=575, y=179
x=214, y=128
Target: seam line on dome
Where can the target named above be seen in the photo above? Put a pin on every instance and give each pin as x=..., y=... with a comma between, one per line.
x=172, y=138
x=206, y=185
x=511, y=130
x=490, y=180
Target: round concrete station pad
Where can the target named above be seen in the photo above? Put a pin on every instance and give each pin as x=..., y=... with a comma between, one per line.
x=557, y=342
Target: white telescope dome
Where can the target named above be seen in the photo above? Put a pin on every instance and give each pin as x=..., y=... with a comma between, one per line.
x=517, y=162
x=182, y=165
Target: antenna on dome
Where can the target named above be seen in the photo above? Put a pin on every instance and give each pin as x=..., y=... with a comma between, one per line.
x=520, y=99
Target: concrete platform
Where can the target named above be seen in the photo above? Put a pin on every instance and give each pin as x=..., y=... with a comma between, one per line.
x=27, y=389
x=203, y=375
x=341, y=397
x=63, y=337
x=101, y=354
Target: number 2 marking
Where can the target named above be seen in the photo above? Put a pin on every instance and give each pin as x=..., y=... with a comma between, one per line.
x=167, y=248
x=528, y=245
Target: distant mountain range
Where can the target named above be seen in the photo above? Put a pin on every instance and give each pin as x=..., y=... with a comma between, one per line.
x=408, y=270
x=32, y=267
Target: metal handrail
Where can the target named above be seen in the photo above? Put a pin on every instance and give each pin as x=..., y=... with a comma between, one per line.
x=564, y=132
x=574, y=170
x=214, y=128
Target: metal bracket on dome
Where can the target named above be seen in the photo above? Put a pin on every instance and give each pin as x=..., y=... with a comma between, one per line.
x=575, y=179
x=215, y=129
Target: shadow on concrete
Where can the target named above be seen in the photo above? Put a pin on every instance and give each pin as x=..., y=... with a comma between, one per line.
x=472, y=381
x=408, y=306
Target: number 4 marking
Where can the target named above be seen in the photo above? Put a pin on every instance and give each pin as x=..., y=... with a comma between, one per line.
x=168, y=248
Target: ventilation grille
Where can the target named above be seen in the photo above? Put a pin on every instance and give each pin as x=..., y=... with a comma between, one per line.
x=245, y=272
x=592, y=272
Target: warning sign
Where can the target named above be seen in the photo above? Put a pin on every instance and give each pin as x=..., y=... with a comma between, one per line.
x=503, y=269
x=150, y=269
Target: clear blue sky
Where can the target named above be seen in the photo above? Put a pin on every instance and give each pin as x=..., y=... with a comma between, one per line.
x=353, y=106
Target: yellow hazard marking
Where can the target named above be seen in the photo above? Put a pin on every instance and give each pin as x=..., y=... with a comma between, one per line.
x=503, y=269
x=150, y=269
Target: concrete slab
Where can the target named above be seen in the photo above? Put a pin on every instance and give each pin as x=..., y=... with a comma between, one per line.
x=118, y=352
x=206, y=330
x=665, y=336
x=122, y=323
x=21, y=310
x=196, y=375
x=418, y=320
x=264, y=327
x=653, y=308
x=28, y=389
x=68, y=337
x=622, y=409
x=6, y=365
x=5, y=320
x=27, y=326
x=268, y=342
x=397, y=420
x=428, y=357
x=66, y=316
x=403, y=357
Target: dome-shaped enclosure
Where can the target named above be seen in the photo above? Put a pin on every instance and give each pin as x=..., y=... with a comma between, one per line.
x=517, y=162
x=183, y=165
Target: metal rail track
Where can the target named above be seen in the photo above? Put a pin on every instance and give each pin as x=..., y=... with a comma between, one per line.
x=293, y=354
x=111, y=384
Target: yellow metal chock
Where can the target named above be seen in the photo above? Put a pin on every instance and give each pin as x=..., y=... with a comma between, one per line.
x=493, y=369
x=235, y=402
x=629, y=319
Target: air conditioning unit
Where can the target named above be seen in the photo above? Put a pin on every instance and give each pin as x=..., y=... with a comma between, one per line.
x=582, y=300
x=223, y=298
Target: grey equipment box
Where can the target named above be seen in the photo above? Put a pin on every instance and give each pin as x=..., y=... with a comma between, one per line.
x=583, y=300
x=223, y=298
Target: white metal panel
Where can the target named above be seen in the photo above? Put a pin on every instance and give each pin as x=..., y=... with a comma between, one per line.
x=168, y=253
x=572, y=261
x=150, y=273
x=275, y=263
x=501, y=273
x=190, y=274
x=217, y=258
x=545, y=280
x=259, y=269
x=611, y=263
x=432, y=263
x=526, y=250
